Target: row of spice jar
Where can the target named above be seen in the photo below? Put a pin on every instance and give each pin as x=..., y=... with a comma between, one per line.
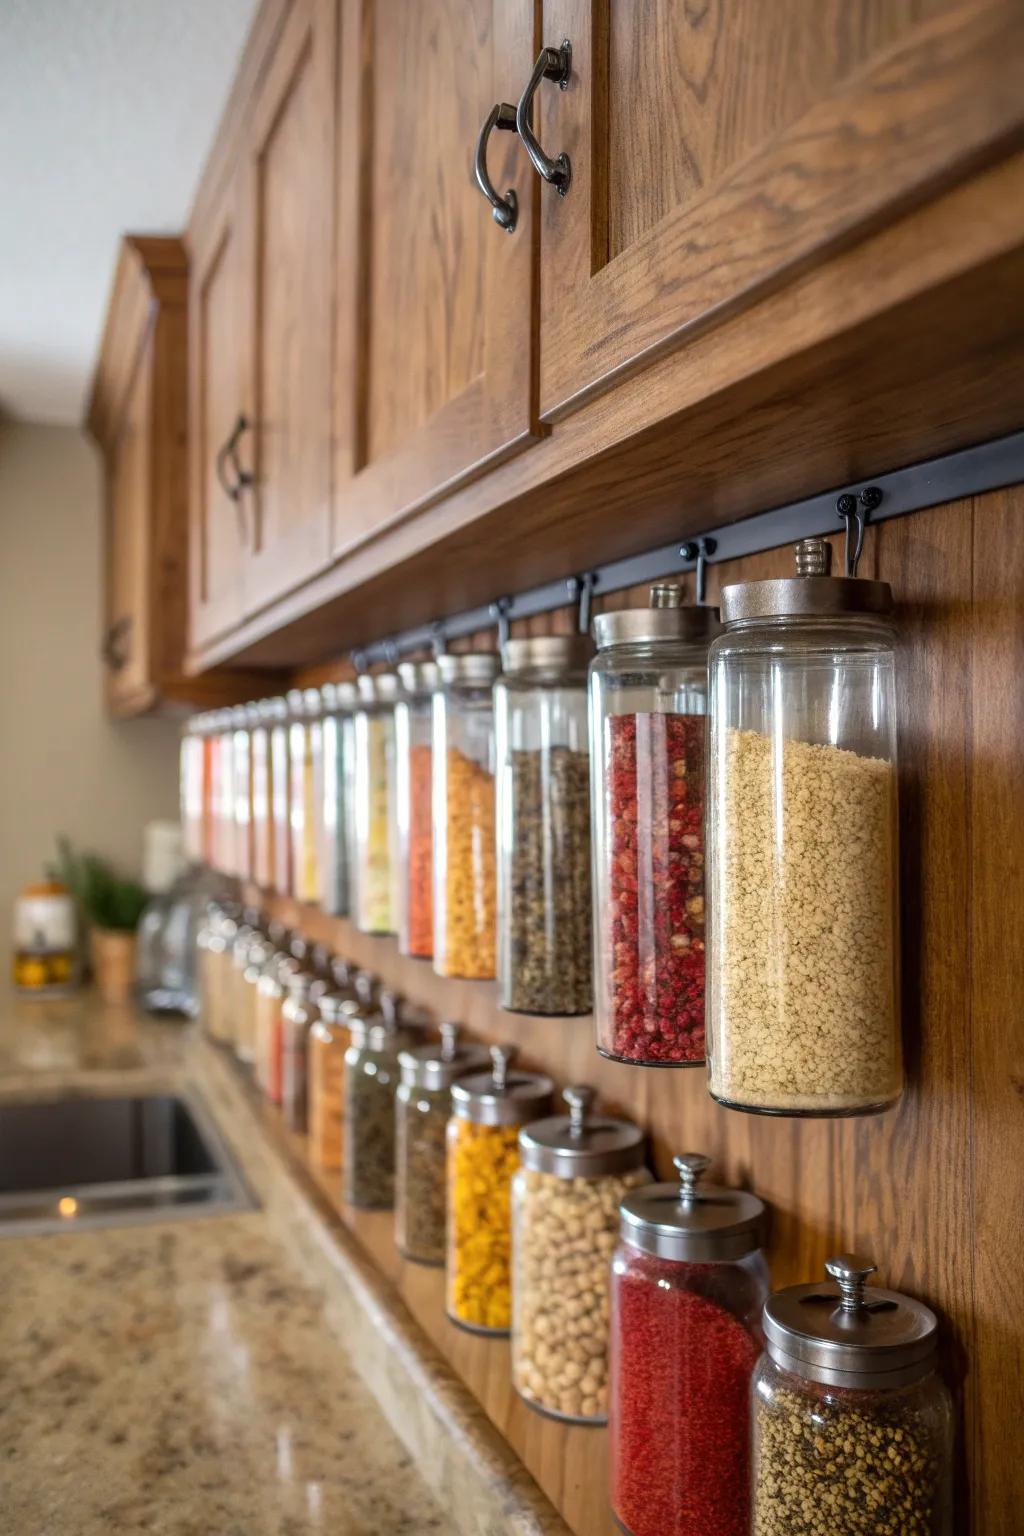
x=459, y=801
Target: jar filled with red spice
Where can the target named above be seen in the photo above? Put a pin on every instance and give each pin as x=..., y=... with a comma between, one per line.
x=689, y=1281
x=413, y=807
x=648, y=690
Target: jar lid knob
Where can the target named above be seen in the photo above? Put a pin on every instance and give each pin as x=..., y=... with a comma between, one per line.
x=691, y=1168
x=666, y=594
x=391, y=1007
x=365, y=985
x=813, y=557
x=502, y=1057
x=850, y=1274
x=449, y=1041
x=579, y=1099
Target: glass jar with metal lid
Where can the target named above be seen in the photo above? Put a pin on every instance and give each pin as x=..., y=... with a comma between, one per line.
x=371, y=1083
x=414, y=807
x=262, y=811
x=803, y=994
x=689, y=1280
x=190, y=787
x=329, y=1039
x=238, y=998
x=422, y=1108
x=257, y=956
x=576, y=1170
x=375, y=867
x=270, y=995
x=224, y=792
x=464, y=850
x=648, y=692
x=241, y=768
x=305, y=750
x=543, y=847
x=276, y=711
x=298, y=1013
x=853, y=1427
x=488, y=1111
x=338, y=700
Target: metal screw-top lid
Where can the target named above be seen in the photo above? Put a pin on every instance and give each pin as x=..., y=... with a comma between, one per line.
x=551, y=658
x=437, y=1066
x=581, y=1145
x=299, y=984
x=664, y=619
x=343, y=974
x=691, y=1221
x=244, y=936
x=419, y=679
x=295, y=702
x=312, y=702
x=338, y=1008
x=811, y=593
x=842, y=1334
x=367, y=987
x=480, y=667
x=501, y=1096
x=274, y=709
x=259, y=952
x=378, y=687
x=298, y=948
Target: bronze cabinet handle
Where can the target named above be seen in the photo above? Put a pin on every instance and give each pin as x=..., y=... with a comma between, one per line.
x=504, y=210
x=243, y=478
x=111, y=652
x=552, y=64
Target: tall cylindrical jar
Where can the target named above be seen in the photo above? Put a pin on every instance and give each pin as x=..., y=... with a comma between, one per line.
x=576, y=1170
x=270, y=994
x=371, y=1083
x=306, y=761
x=414, y=808
x=853, y=1426
x=543, y=843
x=262, y=793
x=239, y=1000
x=422, y=1108
x=803, y=988
x=329, y=1039
x=488, y=1111
x=376, y=862
x=224, y=792
x=298, y=1014
x=648, y=691
x=335, y=813
x=688, y=1283
x=464, y=808
x=280, y=795
x=191, y=762
x=246, y=1021
x=241, y=768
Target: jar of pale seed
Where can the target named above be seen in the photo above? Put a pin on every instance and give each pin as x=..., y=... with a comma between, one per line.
x=803, y=975
x=853, y=1427
x=374, y=895
x=576, y=1170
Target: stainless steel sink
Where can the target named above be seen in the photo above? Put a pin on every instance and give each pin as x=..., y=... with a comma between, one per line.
x=99, y=1162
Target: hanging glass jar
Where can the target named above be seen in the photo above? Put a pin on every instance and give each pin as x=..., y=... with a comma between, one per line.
x=414, y=807
x=376, y=862
x=224, y=790
x=689, y=1280
x=241, y=768
x=306, y=764
x=803, y=968
x=648, y=706
x=191, y=762
x=336, y=809
x=464, y=809
x=209, y=740
x=371, y=1083
x=329, y=1039
x=280, y=795
x=543, y=789
x=421, y=1120
x=298, y=1013
x=270, y=995
x=576, y=1170
x=262, y=792
x=853, y=1426
x=488, y=1110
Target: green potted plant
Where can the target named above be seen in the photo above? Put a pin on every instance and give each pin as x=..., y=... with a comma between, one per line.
x=111, y=905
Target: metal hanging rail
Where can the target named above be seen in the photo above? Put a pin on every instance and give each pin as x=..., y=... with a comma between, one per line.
x=986, y=467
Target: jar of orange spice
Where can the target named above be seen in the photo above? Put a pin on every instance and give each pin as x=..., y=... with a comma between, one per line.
x=413, y=807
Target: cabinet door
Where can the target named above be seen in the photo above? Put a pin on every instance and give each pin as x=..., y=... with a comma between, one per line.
x=126, y=641
x=288, y=189
x=434, y=361
x=717, y=148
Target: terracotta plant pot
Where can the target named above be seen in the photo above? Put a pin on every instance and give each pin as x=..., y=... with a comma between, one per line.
x=112, y=952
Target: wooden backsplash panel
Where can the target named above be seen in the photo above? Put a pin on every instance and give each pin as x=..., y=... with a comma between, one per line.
x=933, y=1190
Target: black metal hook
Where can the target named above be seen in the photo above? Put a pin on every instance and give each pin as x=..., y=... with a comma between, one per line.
x=391, y=651
x=581, y=592
x=699, y=550
x=358, y=660
x=438, y=638
x=855, y=511
x=500, y=609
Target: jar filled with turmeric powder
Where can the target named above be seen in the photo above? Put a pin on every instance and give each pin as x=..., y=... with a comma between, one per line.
x=464, y=847
x=488, y=1109
x=329, y=1039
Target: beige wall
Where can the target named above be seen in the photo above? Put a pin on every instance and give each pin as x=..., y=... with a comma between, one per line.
x=63, y=765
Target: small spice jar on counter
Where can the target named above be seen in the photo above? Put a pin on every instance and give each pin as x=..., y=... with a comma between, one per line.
x=216, y=971
x=543, y=790
x=576, y=1170
x=803, y=1011
x=648, y=689
x=688, y=1284
x=464, y=853
x=853, y=1427
x=414, y=807
x=329, y=1038
x=422, y=1108
x=371, y=1083
x=375, y=866
x=305, y=748
x=298, y=1014
x=336, y=811
x=488, y=1111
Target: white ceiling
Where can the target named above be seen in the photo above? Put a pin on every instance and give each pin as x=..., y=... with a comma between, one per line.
x=107, y=111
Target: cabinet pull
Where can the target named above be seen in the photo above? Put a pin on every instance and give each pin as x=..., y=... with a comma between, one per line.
x=504, y=210
x=552, y=64
x=110, y=651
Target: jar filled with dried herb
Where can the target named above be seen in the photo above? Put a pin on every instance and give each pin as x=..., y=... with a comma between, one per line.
x=336, y=794
x=648, y=707
x=368, y=1121
x=853, y=1427
x=375, y=867
x=422, y=1108
x=414, y=807
x=463, y=787
x=543, y=789
x=803, y=993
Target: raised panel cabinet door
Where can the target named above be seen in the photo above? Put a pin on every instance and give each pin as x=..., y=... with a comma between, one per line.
x=289, y=185
x=126, y=638
x=218, y=504
x=717, y=149
x=434, y=361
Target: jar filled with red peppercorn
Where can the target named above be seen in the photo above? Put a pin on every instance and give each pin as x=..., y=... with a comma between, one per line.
x=689, y=1281
x=648, y=686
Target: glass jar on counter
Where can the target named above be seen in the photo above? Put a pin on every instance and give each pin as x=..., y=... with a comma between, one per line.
x=853, y=1426
x=422, y=1108
x=576, y=1170
x=262, y=793
x=329, y=1039
x=376, y=863
x=488, y=1111
x=371, y=1083
x=648, y=690
x=543, y=789
x=689, y=1280
x=270, y=994
x=335, y=819
x=241, y=768
x=464, y=810
x=298, y=1013
x=276, y=711
x=803, y=985
x=246, y=1020
x=216, y=974
x=414, y=807
x=238, y=999
x=305, y=750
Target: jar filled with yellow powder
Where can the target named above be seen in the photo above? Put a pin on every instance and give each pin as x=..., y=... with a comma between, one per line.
x=374, y=897
x=488, y=1109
